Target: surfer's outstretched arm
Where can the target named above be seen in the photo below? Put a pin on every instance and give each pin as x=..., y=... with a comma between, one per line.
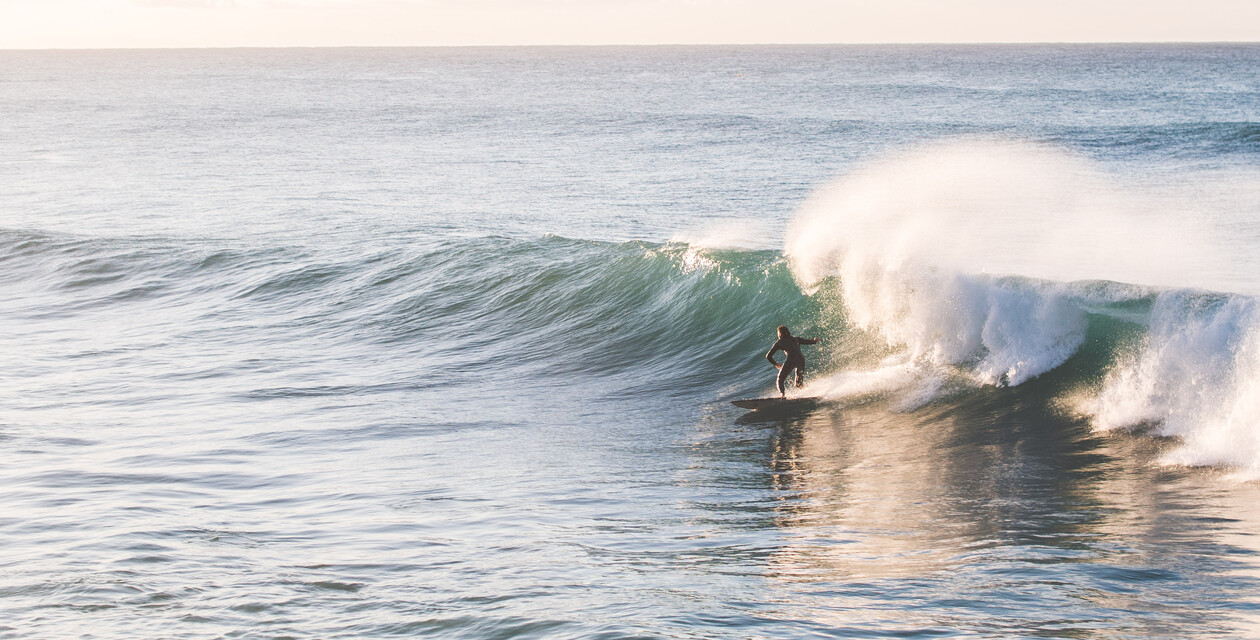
x=807, y=340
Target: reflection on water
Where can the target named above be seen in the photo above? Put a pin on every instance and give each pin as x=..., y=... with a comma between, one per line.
x=997, y=516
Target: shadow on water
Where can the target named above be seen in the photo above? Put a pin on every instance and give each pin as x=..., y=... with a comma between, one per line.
x=994, y=514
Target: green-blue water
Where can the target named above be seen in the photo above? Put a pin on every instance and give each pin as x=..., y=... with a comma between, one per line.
x=439, y=342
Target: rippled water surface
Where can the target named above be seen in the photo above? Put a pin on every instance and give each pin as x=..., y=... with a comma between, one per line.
x=439, y=343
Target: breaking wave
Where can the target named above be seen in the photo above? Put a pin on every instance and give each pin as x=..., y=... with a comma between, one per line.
x=958, y=269
x=991, y=263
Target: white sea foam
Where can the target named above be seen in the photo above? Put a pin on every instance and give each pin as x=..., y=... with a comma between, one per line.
x=910, y=384
x=916, y=239
x=1196, y=376
x=961, y=256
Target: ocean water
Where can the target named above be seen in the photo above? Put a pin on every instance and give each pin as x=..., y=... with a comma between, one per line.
x=365, y=343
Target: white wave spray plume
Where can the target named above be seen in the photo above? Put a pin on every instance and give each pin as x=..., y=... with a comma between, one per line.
x=926, y=243
x=996, y=207
x=967, y=258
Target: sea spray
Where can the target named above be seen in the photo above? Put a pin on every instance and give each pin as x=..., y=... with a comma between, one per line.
x=984, y=263
x=1195, y=376
x=996, y=207
x=917, y=244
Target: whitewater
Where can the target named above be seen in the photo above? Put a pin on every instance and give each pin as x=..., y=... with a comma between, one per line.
x=356, y=343
x=993, y=256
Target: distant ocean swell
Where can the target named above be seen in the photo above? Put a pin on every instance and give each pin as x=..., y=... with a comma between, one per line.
x=1188, y=140
x=677, y=318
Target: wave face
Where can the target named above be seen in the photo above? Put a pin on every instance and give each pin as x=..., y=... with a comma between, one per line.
x=552, y=310
x=556, y=308
x=969, y=260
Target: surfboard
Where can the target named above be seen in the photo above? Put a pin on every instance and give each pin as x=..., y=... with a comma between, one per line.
x=755, y=404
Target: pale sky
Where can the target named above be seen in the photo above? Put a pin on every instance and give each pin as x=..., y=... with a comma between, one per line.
x=38, y=24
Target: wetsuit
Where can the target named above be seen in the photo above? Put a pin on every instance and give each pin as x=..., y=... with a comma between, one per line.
x=791, y=345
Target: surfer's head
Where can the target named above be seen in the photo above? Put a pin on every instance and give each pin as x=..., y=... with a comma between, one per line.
x=783, y=331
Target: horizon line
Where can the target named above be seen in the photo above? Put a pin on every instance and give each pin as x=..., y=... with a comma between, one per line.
x=653, y=44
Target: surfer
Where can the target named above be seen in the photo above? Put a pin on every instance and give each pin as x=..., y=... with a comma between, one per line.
x=790, y=345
